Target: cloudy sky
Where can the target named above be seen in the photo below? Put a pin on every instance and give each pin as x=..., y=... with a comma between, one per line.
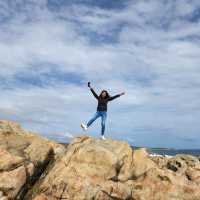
x=150, y=49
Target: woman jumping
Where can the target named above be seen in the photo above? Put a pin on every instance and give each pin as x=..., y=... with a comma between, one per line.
x=103, y=100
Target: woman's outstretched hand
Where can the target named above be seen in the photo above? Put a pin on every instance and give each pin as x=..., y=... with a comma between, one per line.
x=123, y=93
x=89, y=85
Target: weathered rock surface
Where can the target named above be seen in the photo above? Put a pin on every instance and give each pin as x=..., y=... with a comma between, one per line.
x=90, y=169
x=95, y=169
x=23, y=156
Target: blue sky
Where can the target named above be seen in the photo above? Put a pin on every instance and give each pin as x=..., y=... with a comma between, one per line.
x=49, y=49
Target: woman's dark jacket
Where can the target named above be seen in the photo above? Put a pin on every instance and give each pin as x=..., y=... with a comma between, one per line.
x=102, y=102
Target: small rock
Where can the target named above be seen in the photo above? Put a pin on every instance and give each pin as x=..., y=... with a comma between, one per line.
x=3, y=198
x=41, y=197
x=1, y=194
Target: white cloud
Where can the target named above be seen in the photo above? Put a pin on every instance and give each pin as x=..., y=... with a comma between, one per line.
x=149, y=49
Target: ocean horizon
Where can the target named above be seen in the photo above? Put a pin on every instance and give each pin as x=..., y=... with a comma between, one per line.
x=173, y=152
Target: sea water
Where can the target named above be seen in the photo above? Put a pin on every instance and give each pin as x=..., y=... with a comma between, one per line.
x=173, y=152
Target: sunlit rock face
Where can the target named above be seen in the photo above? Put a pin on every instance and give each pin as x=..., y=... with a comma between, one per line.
x=98, y=169
x=35, y=168
x=23, y=156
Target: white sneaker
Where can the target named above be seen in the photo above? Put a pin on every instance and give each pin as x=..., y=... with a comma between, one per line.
x=103, y=138
x=83, y=126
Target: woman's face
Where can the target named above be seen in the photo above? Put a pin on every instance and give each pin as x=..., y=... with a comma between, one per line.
x=103, y=94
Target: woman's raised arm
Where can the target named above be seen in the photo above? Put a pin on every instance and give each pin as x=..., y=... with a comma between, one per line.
x=93, y=92
x=116, y=96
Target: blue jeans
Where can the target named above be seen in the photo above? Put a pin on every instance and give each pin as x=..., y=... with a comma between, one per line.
x=103, y=115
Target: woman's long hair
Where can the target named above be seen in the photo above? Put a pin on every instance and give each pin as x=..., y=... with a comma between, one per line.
x=107, y=94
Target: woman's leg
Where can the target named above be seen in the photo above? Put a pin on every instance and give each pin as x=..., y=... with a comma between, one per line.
x=96, y=115
x=103, y=122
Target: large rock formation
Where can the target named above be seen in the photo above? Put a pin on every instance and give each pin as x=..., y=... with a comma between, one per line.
x=23, y=157
x=95, y=169
x=34, y=168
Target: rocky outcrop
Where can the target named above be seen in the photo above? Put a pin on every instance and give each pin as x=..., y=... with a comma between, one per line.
x=23, y=157
x=95, y=169
x=34, y=168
